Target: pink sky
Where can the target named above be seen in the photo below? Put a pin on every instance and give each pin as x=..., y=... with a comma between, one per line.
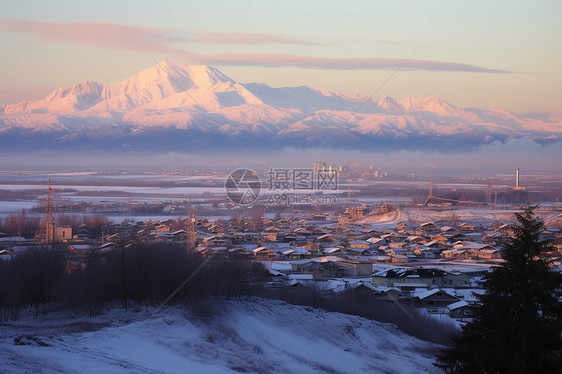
x=475, y=54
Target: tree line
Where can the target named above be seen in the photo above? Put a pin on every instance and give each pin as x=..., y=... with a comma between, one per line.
x=135, y=274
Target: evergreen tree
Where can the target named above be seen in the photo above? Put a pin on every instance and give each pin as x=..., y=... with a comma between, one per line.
x=517, y=326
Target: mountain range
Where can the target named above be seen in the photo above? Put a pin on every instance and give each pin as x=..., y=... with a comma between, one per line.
x=186, y=108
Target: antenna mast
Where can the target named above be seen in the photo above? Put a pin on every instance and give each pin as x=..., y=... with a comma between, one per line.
x=191, y=228
x=47, y=233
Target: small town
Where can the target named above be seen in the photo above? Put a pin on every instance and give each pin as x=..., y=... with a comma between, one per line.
x=435, y=266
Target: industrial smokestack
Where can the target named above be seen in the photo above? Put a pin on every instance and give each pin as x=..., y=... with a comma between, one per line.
x=517, y=179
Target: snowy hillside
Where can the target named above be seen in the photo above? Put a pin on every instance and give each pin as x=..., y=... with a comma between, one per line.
x=250, y=337
x=170, y=107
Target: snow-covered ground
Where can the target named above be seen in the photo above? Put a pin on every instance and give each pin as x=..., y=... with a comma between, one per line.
x=417, y=216
x=261, y=336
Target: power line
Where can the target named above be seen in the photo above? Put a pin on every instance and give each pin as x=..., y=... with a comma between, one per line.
x=380, y=86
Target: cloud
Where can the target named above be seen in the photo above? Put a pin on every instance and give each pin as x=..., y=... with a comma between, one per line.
x=99, y=34
x=157, y=40
x=247, y=38
x=308, y=62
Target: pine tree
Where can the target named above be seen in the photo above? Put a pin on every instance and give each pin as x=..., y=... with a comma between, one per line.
x=517, y=326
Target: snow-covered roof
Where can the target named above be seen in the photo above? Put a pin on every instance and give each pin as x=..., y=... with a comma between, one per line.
x=360, y=250
x=82, y=246
x=332, y=250
x=276, y=273
x=301, y=276
x=425, y=294
x=474, y=246
x=457, y=305
x=259, y=249
x=489, y=250
x=358, y=242
x=415, y=285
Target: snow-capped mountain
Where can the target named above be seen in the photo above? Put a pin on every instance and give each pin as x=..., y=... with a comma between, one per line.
x=171, y=107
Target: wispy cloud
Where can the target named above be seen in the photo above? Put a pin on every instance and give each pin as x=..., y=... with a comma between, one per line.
x=99, y=34
x=308, y=62
x=247, y=38
x=158, y=40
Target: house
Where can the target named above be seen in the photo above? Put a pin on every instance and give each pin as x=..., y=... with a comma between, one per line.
x=448, y=230
x=353, y=268
x=178, y=235
x=302, y=233
x=455, y=253
x=390, y=293
x=115, y=238
x=263, y=253
x=360, y=244
x=395, y=251
x=375, y=242
x=401, y=245
x=431, y=253
x=107, y=247
x=277, y=236
x=82, y=234
x=358, y=252
x=326, y=239
x=162, y=228
x=410, y=287
x=439, y=238
x=295, y=253
x=465, y=226
x=319, y=217
x=63, y=234
x=460, y=309
x=334, y=251
x=239, y=251
x=489, y=254
x=455, y=280
x=429, y=228
x=473, y=247
x=434, y=244
x=357, y=212
x=398, y=258
x=79, y=248
x=415, y=239
x=5, y=254
x=217, y=241
x=433, y=300
x=426, y=277
x=325, y=269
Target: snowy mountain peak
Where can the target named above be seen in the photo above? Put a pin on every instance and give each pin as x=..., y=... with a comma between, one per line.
x=187, y=99
x=168, y=78
x=85, y=88
x=391, y=105
x=427, y=104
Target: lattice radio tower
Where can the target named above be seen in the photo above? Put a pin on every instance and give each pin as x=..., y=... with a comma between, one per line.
x=47, y=233
x=191, y=228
